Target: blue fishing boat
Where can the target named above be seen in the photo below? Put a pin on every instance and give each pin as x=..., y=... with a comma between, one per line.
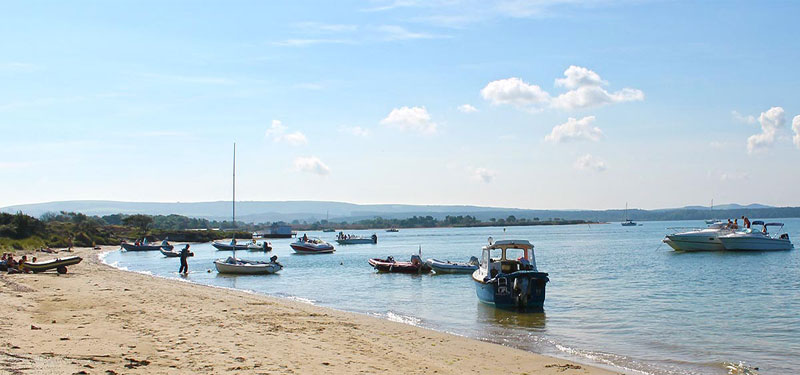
x=508, y=278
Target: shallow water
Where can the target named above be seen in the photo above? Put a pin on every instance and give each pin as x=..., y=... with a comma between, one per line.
x=617, y=296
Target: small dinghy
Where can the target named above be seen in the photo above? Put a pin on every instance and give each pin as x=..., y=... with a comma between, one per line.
x=350, y=239
x=446, y=266
x=146, y=246
x=174, y=253
x=247, y=267
x=416, y=265
x=255, y=246
x=232, y=246
x=59, y=264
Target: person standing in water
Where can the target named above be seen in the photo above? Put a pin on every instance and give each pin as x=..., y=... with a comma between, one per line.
x=185, y=253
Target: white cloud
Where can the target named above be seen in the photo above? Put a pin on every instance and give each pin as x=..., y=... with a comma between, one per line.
x=576, y=76
x=748, y=119
x=355, y=130
x=734, y=176
x=590, y=162
x=484, y=174
x=516, y=92
x=277, y=132
x=594, y=96
x=303, y=42
x=295, y=138
x=311, y=164
x=467, y=108
x=585, y=90
x=575, y=129
x=414, y=119
x=394, y=32
x=325, y=27
x=771, y=121
x=796, y=130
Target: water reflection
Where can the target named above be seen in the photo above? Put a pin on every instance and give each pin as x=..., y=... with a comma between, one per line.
x=535, y=321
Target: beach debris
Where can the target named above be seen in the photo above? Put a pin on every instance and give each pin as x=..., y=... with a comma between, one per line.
x=111, y=372
x=239, y=359
x=564, y=367
x=81, y=372
x=134, y=363
x=35, y=328
x=740, y=368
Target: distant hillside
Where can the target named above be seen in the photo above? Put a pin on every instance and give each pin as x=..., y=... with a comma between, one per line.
x=311, y=211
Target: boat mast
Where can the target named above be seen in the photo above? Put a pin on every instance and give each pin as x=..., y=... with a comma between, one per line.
x=233, y=201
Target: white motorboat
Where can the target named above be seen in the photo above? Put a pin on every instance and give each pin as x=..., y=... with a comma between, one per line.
x=754, y=240
x=305, y=245
x=256, y=246
x=703, y=239
x=247, y=267
x=350, y=239
x=446, y=266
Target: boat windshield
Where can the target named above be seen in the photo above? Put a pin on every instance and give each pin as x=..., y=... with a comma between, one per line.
x=515, y=254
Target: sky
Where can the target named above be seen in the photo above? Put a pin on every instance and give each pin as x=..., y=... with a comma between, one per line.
x=549, y=104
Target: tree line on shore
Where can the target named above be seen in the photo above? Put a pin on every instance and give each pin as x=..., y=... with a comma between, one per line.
x=64, y=229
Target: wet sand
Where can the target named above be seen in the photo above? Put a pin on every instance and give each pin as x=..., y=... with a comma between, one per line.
x=99, y=320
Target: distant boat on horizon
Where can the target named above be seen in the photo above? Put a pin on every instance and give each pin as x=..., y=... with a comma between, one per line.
x=628, y=222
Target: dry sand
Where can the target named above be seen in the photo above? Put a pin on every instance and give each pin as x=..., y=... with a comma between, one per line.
x=100, y=320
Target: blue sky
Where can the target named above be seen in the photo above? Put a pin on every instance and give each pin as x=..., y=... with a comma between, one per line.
x=530, y=104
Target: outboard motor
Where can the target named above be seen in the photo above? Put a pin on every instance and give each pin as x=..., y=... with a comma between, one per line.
x=521, y=291
x=474, y=261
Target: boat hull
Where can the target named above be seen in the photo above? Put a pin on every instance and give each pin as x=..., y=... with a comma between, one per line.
x=52, y=264
x=448, y=267
x=755, y=244
x=170, y=254
x=301, y=249
x=132, y=247
x=246, y=269
x=383, y=265
x=524, y=290
x=694, y=243
x=228, y=247
x=355, y=241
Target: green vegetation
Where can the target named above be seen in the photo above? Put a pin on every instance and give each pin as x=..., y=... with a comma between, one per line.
x=65, y=229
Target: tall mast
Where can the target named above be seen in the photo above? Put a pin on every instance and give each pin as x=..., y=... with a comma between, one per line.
x=234, y=186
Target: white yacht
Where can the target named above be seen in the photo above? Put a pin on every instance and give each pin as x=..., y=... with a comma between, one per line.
x=704, y=239
x=755, y=240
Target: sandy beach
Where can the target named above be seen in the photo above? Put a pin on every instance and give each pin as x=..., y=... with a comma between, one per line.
x=100, y=320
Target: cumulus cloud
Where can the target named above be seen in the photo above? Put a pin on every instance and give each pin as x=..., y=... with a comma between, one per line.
x=311, y=164
x=414, y=119
x=576, y=76
x=585, y=90
x=771, y=122
x=574, y=130
x=277, y=132
x=354, y=130
x=595, y=96
x=466, y=108
x=748, y=119
x=590, y=162
x=796, y=130
x=483, y=174
x=516, y=92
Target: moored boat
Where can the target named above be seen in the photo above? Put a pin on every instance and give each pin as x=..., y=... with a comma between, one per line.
x=348, y=239
x=305, y=245
x=255, y=246
x=510, y=279
x=446, y=266
x=704, y=239
x=59, y=264
x=232, y=246
x=236, y=266
x=754, y=240
x=146, y=246
x=416, y=265
x=393, y=230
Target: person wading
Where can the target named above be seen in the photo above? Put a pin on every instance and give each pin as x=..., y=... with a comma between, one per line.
x=185, y=253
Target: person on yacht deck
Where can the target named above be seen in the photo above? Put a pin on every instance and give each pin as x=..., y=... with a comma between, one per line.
x=735, y=224
x=745, y=222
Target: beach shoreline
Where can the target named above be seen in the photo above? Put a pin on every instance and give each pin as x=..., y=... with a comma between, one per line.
x=101, y=320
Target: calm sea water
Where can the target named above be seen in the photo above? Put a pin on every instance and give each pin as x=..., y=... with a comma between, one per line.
x=617, y=297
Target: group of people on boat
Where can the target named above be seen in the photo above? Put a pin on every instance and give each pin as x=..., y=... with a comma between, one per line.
x=11, y=265
x=734, y=225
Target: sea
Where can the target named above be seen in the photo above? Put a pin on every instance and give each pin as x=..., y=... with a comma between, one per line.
x=617, y=297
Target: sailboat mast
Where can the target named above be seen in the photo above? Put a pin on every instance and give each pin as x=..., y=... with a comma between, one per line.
x=233, y=201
